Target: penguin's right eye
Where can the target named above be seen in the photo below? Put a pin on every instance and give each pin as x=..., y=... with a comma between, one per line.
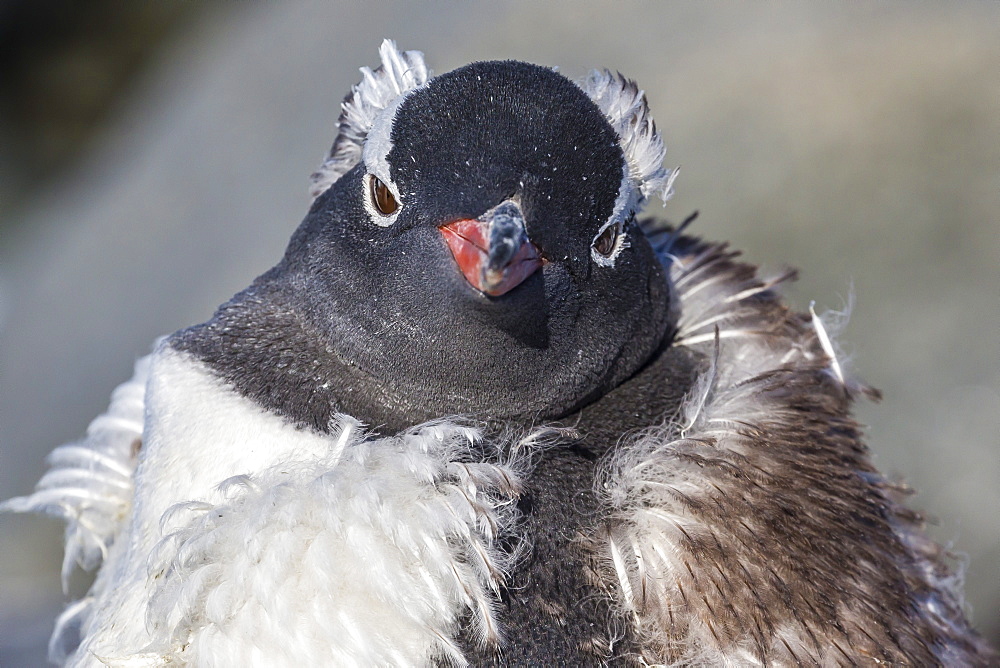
x=382, y=197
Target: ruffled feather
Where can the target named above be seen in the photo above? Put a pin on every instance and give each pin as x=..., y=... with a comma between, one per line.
x=399, y=73
x=89, y=483
x=753, y=529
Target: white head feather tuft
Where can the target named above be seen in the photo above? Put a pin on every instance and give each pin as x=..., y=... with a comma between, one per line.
x=400, y=73
x=624, y=105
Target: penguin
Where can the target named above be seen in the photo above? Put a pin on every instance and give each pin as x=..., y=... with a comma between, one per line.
x=481, y=413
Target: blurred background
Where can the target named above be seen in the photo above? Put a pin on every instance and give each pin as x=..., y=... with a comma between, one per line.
x=154, y=158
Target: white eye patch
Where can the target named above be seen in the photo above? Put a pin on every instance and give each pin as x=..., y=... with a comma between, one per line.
x=382, y=205
x=643, y=174
x=608, y=243
x=375, y=153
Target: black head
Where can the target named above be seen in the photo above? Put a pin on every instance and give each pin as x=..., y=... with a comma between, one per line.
x=480, y=259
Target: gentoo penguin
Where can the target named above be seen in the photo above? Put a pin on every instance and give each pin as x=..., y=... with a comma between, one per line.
x=480, y=414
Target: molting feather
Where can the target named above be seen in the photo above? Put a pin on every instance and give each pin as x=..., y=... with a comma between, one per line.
x=89, y=483
x=399, y=73
x=754, y=529
x=403, y=530
x=625, y=107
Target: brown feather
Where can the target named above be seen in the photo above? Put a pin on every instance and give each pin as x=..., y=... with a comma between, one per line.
x=761, y=499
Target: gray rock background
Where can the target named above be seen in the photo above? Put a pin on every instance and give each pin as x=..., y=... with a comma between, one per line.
x=858, y=142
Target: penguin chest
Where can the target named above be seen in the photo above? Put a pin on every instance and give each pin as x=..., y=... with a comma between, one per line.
x=197, y=435
x=200, y=433
x=253, y=543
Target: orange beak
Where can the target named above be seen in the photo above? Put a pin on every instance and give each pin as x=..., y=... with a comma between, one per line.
x=495, y=255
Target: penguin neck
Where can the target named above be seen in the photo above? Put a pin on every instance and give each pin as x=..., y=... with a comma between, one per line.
x=271, y=354
x=648, y=398
x=551, y=596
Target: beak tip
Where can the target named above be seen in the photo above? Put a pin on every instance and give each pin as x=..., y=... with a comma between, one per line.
x=491, y=277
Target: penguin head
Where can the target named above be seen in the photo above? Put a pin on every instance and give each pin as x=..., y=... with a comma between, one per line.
x=472, y=247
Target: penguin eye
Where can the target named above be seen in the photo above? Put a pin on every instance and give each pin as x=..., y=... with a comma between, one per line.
x=605, y=242
x=382, y=197
x=610, y=241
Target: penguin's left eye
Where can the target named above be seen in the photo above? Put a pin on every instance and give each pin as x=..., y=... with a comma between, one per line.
x=605, y=243
x=610, y=241
x=382, y=197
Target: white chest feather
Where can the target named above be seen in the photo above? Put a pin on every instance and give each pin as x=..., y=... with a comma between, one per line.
x=200, y=432
x=251, y=542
